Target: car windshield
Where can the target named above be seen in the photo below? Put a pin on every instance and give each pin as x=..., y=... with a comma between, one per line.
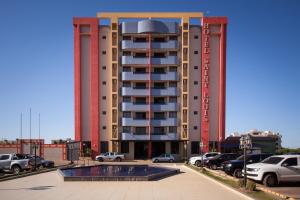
x=272, y=160
x=242, y=157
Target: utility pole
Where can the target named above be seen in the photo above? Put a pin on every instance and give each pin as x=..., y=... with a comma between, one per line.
x=21, y=134
x=30, y=131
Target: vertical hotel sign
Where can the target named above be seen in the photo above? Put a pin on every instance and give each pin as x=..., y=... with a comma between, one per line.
x=205, y=85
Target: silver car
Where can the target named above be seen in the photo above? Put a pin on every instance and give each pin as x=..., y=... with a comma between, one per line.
x=167, y=157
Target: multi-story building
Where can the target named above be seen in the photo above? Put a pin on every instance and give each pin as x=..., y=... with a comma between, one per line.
x=150, y=83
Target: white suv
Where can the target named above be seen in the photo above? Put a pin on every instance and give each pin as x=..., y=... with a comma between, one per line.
x=275, y=169
x=196, y=160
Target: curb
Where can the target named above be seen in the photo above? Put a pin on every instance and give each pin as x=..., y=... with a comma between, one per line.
x=221, y=175
x=11, y=177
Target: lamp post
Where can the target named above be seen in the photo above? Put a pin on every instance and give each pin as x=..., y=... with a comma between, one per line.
x=201, y=152
x=245, y=143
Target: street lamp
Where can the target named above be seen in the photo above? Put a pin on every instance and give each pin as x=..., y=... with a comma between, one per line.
x=245, y=143
x=201, y=152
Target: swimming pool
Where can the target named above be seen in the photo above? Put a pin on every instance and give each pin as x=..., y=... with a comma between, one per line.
x=111, y=172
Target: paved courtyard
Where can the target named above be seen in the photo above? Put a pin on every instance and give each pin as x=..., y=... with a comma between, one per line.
x=186, y=185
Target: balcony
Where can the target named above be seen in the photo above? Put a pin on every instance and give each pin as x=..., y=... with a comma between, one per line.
x=131, y=76
x=130, y=136
x=126, y=106
x=134, y=122
x=129, y=44
x=129, y=91
x=130, y=60
x=164, y=122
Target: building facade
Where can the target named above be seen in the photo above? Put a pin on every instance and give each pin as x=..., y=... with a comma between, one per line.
x=150, y=83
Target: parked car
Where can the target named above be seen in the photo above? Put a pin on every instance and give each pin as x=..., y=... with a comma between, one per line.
x=235, y=167
x=13, y=163
x=275, y=169
x=196, y=160
x=166, y=157
x=110, y=156
x=216, y=161
x=40, y=162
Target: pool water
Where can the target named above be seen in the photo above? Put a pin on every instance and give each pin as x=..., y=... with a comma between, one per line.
x=116, y=172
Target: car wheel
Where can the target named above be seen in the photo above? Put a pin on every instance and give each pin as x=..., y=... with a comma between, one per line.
x=270, y=180
x=100, y=159
x=171, y=161
x=198, y=163
x=118, y=159
x=214, y=167
x=237, y=173
x=156, y=161
x=16, y=169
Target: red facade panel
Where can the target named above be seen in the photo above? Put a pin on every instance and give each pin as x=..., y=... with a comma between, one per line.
x=205, y=91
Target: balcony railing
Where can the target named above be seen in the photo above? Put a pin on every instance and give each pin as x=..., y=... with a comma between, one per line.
x=131, y=76
x=129, y=44
x=145, y=122
x=129, y=91
x=130, y=60
x=126, y=106
x=166, y=137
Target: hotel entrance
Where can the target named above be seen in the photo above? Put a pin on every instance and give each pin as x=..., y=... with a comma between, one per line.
x=140, y=150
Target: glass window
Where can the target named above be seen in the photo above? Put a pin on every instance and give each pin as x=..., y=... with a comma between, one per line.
x=159, y=70
x=172, y=84
x=290, y=161
x=126, y=84
x=174, y=147
x=195, y=148
x=172, y=129
x=140, y=115
x=140, y=100
x=124, y=147
x=126, y=99
x=173, y=114
x=127, y=114
x=273, y=160
x=140, y=130
x=126, y=129
x=126, y=69
x=173, y=99
x=159, y=100
x=173, y=69
x=140, y=70
x=104, y=146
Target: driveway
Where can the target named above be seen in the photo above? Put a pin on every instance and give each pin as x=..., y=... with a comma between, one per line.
x=186, y=185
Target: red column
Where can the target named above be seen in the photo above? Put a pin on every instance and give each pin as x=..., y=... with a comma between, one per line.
x=205, y=91
x=149, y=144
x=94, y=81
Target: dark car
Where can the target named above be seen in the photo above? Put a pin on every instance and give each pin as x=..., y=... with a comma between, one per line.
x=235, y=167
x=216, y=161
x=40, y=162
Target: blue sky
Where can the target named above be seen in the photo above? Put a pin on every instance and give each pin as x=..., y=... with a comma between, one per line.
x=263, y=62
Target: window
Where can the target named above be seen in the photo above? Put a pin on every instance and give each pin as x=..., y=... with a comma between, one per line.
x=140, y=55
x=126, y=37
x=104, y=146
x=175, y=147
x=127, y=114
x=140, y=130
x=173, y=69
x=195, y=52
x=173, y=53
x=158, y=55
x=290, y=162
x=4, y=157
x=195, y=82
x=159, y=85
x=173, y=38
x=126, y=84
x=140, y=100
x=126, y=99
x=104, y=97
x=196, y=37
x=104, y=37
x=126, y=53
x=103, y=112
x=172, y=129
x=159, y=39
x=140, y=70
x=124, y=147
x=140, y=39
x=104, y=67
x=159, y=70
x=172, y=84
x=195, y=127
x=104, y=127
x=173, y=114
x=126, y=129
x=195, y=148
x=159, y=115
x=159, y=100
x=159, y=131
x=103, y=82
x=140, y=85
x=126, y=69
x=195, y=97
x=103, y=52
x=140, y=115
x=173, y=99
x=195, y=67
x=195, y=112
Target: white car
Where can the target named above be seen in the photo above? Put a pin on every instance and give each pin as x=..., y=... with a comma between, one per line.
x=110, y=156
x=196, y=160
x=275, y=169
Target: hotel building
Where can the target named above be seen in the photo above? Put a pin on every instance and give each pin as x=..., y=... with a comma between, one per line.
x=150, y=83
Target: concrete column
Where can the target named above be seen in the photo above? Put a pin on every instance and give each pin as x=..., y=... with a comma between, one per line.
x=131, y=151
x=168, y=147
